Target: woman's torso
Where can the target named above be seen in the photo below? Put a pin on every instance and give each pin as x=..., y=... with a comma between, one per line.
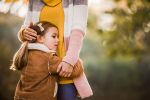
x=55, y=14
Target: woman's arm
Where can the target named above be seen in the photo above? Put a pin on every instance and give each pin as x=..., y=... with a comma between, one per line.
x=54, y=62
x=74, y=47
x=25, y=33
x=80, y=15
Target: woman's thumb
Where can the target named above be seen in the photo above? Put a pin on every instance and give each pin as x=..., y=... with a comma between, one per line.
x=31, y=24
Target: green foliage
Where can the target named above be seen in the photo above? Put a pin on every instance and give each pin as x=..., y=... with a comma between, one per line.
x=117, y=61
x=131, y=29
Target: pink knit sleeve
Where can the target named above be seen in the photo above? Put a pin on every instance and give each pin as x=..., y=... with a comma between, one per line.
x=74, y=48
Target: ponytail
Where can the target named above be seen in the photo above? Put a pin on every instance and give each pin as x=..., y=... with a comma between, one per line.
x=20, y=58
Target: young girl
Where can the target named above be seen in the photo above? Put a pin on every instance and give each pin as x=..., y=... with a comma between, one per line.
x=38, y=62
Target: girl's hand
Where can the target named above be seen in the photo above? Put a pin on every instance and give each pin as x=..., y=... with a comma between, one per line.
x=29, y=34
x=64, y=69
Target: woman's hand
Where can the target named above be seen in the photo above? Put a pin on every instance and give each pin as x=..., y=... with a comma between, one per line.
x=65, y=69
x=29, y=34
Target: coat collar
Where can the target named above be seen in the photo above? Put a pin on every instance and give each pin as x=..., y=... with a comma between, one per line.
x=39, y=46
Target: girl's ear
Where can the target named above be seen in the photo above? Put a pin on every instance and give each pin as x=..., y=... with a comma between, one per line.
x=40, y=39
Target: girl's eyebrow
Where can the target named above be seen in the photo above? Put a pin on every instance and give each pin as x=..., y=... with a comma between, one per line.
x=55, y=34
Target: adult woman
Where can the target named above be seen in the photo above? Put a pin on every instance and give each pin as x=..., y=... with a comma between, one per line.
x=71, y=24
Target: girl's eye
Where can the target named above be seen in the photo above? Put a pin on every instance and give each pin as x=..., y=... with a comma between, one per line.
x=54, y=36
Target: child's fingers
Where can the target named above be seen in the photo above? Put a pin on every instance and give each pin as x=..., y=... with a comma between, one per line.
x=59, y=67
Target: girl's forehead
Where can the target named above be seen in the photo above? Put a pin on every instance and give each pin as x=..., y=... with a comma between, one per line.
x=52, y=30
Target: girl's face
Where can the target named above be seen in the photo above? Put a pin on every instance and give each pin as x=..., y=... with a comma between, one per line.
x=50, y=39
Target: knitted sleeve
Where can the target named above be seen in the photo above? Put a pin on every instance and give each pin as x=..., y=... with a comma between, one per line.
x=75, y=44
x=78, y=30
x=28, y=17
x=80, y=14
x=26, y=22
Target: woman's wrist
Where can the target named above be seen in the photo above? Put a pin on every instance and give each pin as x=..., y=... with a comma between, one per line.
x=75, y=44
x=69, y=60
x=67, y=63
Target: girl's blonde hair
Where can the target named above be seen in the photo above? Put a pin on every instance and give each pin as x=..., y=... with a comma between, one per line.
x=20, y=58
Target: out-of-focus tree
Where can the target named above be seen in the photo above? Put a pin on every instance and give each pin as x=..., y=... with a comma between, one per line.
x=130, y=37
x=130, y=34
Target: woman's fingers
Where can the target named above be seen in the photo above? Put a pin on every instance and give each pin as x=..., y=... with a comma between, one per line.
x=66, y=70
x=34, y=33
x=31, y=24
x=68, y=75
x=29, y=37
x=62, y=73
x=29, y=34
x=65, y=74
x=59, y=67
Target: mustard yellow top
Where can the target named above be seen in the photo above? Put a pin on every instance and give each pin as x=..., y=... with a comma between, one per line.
x=53, y=12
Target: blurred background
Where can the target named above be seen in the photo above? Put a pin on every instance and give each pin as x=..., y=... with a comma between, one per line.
x=116, y=49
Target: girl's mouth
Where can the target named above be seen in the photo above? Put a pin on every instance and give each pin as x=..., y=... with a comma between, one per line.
x=56, y=44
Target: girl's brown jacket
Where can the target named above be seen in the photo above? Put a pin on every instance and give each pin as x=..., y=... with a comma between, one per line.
x=38, y=79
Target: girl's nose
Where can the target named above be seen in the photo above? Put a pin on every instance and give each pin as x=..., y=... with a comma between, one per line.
x=57, y=40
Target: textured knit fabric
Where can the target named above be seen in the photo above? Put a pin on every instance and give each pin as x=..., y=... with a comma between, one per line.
x=73, y=18
x=53, y=12
x=81, y=83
